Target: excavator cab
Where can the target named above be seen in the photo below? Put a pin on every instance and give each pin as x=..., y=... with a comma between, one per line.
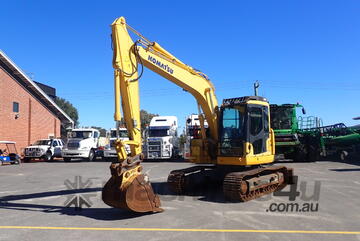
x=245, y=136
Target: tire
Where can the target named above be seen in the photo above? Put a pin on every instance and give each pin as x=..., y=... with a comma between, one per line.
x=300, y=154
x=47, y=157
x=26, y=159
x=91, y=155
x=343, y=155
x=313, y=154
x=17, y=160
x=67, y=159
x=172, y=154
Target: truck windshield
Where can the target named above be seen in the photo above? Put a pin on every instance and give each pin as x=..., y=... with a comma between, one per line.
x=81, y=134
x=42, y=142
x=232, y=131
x=122, y=133
x=158, y=132
x=281, y=118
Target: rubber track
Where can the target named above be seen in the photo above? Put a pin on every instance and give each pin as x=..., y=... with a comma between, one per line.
x=232, y=184
x=177, y=179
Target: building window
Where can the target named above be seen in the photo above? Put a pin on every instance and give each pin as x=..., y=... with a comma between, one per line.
x=16, y=107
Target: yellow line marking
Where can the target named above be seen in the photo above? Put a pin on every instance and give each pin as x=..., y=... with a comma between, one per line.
x=186, y=230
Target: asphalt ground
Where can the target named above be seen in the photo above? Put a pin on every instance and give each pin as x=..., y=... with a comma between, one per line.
x=33, y=199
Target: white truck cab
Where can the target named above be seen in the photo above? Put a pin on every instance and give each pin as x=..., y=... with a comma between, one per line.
x=109, y=149
x=162, y=141
x=45, y=149
x=82, y=143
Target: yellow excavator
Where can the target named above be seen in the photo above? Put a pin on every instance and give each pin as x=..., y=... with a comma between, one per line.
x=237, y=148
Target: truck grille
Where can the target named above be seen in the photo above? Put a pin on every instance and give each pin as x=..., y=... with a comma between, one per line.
x=32, y=151
x=154, y=143
x=73, y=145
x=154, y=154
x=154, y=148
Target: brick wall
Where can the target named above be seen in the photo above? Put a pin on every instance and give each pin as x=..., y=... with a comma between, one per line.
x=35, y=120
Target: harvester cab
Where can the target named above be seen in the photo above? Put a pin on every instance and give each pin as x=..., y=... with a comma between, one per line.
x=297, y=137
x=284, y=117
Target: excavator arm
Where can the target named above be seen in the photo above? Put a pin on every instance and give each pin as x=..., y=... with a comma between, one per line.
x=129, y=56
x=127, y=182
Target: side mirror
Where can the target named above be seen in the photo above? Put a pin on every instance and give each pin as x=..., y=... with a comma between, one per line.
x=303, y=111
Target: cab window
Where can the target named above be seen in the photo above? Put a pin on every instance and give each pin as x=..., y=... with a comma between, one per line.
x=256, y=120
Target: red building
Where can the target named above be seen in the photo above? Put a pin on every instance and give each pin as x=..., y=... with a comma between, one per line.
x=26, y=112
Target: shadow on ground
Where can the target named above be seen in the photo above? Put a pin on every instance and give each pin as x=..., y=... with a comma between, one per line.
x=346, y=170
x=106, y=214
x=211, y=192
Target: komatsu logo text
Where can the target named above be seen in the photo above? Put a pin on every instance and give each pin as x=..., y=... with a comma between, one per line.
x=161, y=65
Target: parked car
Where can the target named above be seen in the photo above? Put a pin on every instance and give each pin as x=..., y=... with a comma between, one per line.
x=8, y=153
x=45, y=149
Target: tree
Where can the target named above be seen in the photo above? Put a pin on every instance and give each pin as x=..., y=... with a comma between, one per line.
x=145, y=118
x=182, y=141
x=69, y=109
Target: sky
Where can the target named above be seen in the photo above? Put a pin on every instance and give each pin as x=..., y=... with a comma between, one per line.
x=305, y=51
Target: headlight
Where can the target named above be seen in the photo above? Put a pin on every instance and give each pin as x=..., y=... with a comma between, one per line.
x=84, y=148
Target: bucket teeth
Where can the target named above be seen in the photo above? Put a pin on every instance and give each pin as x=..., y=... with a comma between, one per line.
x=136, y=195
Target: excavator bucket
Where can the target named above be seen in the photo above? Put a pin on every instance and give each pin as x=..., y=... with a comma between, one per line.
x=130, y=190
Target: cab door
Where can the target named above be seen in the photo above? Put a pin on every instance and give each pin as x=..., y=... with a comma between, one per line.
x=57, y=148
x=258, y=127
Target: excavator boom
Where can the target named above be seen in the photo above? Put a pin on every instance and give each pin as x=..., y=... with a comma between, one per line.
x=238, y=136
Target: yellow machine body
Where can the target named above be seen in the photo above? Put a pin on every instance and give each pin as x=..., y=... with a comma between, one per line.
x=128, y=57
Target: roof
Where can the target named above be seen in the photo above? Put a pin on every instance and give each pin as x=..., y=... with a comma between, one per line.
x=7, y=142
x=84, y=129
x=163, y=121
x=24, y=80
x=241, y=100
